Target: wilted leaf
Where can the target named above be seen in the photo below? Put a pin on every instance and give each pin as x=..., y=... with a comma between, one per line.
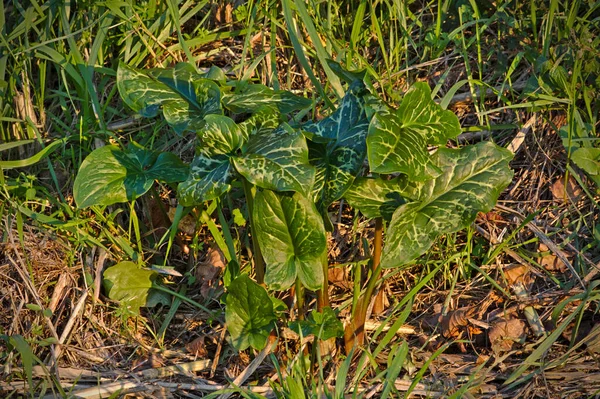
x=505, y=333
x=126, y=283
x=185, y=96
x=249, y=313
x=560, y=193
x=550, y=261
x=110, y=175
x=456, y=320
x=472, y=179
x=197, y=347
x=292, y=239
x=209, y=271
x=519, y=274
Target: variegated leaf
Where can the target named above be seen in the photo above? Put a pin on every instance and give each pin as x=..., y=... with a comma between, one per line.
x=472, y=178
x=376, y=197
x=184, y=95
x=110, y=175
x=341, y=156
x=277, y=160
x=248, y=98
x=265, y=119
x=397, y=142
x=292, y=239
x=219, y=135
x=209, y=178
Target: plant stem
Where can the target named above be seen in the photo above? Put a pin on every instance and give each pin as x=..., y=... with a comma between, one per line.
x=354, y=334
x=377, y=245
x=259, y=262
x=323, y=293
x=300, y=299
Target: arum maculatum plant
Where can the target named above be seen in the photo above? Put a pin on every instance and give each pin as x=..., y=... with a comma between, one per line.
x=291, y=173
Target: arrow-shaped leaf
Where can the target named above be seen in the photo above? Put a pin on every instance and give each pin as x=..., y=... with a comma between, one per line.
x=277, y=160
x=249, y=313
x=292, y=239
x=185, y=96
x=343, y=133
x=472, y=178
x=110, y=175
x=127, y=283
x=397, y=142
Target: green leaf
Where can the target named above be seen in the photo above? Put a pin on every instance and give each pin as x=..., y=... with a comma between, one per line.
x=219, y=135
x=249, y=313
x=184, y=95
x=348, y=76
x=340, y=159
x=277, y=160
x=588, y=159
x=323, y=325
x=472, y=178
x=110, y=175
x=126, y=283
x=264, y=120
x=292, y=239
x=248, y=98
x=209, y=178
x=397, y=142
x=375, y=197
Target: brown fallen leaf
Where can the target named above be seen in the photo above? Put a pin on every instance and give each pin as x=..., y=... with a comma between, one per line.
x=208, y=272
x=455, y=321
x=505, y=333
x=519, y=274
x=572, y=192
x=197, y=347
x=552, y=262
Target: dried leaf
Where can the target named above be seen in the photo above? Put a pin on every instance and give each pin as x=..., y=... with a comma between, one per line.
x=573, y=191
x=505, y=333
x=453, y=322
x=552, y=262
x=519, y=274
x=197, y=347
x=207, y=273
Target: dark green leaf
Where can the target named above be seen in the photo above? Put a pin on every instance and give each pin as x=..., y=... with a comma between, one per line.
x=397, y=142
x=375, y=197
x=184, y=95
x=209, y=178
x=126, y=283
x=340, y=159
x=348, y=76
x=472, y=178
x=277, y=160
x=323, y=325
x=249, y=98
x=249, y=313
x=292, y=239
x=110, y=175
